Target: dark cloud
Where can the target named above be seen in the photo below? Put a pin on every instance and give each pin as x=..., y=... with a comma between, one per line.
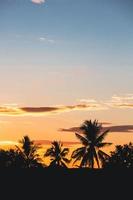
x=39, y=109
x=72, y=129
x=120, y=128
x=59, y=108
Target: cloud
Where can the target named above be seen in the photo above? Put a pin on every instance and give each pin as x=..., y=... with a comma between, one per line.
x=87, y=100
x=125, y=105
x=77, y=129
x=42, y=39
x=119, y=128
x=72, y=129
x=38, y=1
x=46, y=40
x=22, y=111
x=3, y=143
x=39, y=109
x=125, y=101
x=116, y=102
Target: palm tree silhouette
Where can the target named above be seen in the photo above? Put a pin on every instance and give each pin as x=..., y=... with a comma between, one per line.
x=29, y=153
x=91, y=137
x=58, y=155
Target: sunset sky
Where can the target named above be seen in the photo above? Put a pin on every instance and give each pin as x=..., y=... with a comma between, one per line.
x=63, y=62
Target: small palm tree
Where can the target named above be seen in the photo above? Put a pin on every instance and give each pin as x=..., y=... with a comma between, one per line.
x=92, y=138
x=29, y=153
x=58, y=155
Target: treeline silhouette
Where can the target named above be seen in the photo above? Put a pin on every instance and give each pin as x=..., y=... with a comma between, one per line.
x=94, y=174
x=89, y=155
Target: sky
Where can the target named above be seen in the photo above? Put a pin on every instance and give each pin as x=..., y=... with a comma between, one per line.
x=63, y=62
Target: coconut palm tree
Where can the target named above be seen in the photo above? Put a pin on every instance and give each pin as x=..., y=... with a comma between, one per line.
x=29, y=153
x=58, y=155
x=92, y=139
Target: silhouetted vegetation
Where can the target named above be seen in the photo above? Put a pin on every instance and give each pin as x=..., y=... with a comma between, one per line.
x=11, y=159
x=28, y=152
x=121, y=157
x=23, y=156
x=91, y=138
x=89, y=155
x=58, y=155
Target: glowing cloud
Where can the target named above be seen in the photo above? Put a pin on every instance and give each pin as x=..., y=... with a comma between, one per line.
x=8, y=143
x=125, y=101
x=20, y=111
x=84, y=105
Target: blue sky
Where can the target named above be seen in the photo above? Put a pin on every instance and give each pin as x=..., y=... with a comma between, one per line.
x=96, y=32
x=63, y=36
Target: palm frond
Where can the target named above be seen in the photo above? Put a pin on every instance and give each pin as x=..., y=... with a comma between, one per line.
x=103, y=144
x=103, y=153
x=49, y=152
x=66, y=160
x=82, y=139
x=103, y=157
x=64, y=152
x=78, y=151
x=78, y=154
x=101, y=137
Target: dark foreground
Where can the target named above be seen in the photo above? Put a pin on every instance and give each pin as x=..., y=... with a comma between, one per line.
x=66, y=184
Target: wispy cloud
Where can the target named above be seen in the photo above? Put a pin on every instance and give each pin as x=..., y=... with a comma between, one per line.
x=87, y=100
x=116, y=101
x=38, y=1
x=42, y=39
x=125, y=101
x=33, y=38
x=46, y=40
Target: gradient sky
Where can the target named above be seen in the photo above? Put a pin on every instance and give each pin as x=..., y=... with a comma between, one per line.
x=71, y=55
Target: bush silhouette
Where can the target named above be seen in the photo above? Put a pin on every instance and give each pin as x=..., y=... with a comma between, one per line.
x=121, y=157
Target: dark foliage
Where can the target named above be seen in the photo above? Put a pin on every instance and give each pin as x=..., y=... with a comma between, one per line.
x=122, y=157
